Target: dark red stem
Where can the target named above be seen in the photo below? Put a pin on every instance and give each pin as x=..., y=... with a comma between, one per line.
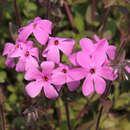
x=84, y=109
x=69, y=16
x=93, y=10
x=67, y=115
x=99, y=117
x=17, y=13
x=2, y=117
x=48, y=9
x=106, y=93
x=104, y=21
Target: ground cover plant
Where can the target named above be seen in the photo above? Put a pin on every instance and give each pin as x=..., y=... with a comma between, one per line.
x=64, y=65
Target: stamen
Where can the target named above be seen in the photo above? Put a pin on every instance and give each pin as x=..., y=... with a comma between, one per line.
x=92, y=71
x=27, y=53
x=34, y=25
x=64, y=71
x=56, y=42
x=45, y=78
x=16, y=46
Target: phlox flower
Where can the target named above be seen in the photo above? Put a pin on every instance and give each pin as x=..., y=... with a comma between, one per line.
x=27, y=56
x=71, y=75
x=9, y=62
x=55, y=45
x=43, y=79
x=9, y=49
x=88, y=46
x=111, y=49
x=96, y=71
x=39, y=27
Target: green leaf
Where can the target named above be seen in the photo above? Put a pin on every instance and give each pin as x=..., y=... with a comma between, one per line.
x=3, y=76
x=88, y=17
x=11, y=88
x=13, y=98
x=2, y=63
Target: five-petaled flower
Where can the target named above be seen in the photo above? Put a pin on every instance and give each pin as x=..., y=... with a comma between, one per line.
x=55, y=45
x=40, y=28
x=43, y=79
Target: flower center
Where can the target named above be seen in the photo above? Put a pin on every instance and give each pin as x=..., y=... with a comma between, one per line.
x=56, y=42
x=45, y=78
x=92, y=71
x=16, y=46
x=64, y=71
x=34, y=25
x=27, y=53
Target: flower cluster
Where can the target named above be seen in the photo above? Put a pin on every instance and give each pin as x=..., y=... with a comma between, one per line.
x=91, y=63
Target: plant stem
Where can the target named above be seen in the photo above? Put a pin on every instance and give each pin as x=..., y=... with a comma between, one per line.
x=48, y=9
x=106, y=93
x=2, y=117
x=104, y=21
x=67, y=115
x=70, y=16
x=84, y=109
x=93, y=10
x=17, y=14
x=99, y=117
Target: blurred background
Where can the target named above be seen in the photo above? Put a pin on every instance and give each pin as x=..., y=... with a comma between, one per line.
x=72, y=19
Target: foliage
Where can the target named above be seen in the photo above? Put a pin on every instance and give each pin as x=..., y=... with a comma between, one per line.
x=24, y=113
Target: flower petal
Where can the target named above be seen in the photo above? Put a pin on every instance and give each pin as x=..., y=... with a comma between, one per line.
x=25, y=32
x=99, y=84
x=32, y=74
x=30, y=63
x=20, y=66
x=40, y=35
x=58, y=78
x=9, y=62
x=98, y=58
x=127, y=68
x=73, y=59
x=83, y=59
x=34, y=88
x=47, y=67
x=106, y=72
x=50, y=91
x=66, y=46
x=8, y=48
x=111, y=51
x=102, y=45
x=87, y=45
x=45, y=25
x=96, y=38
x=34, y=52
x=53, y=54
x=17, y=53
x=87, y=87
x=73, y=85
x=76, y=74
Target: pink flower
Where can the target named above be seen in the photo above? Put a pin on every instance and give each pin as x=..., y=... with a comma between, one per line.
x=127, y=68
x=71, y=75
x=28, y=56
x=73, y=59
x=44, y=80
x=9, y=62
x=55, y=45
x=111, y=50
x=40, y=28
x=96, y=71
x=9, y=49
